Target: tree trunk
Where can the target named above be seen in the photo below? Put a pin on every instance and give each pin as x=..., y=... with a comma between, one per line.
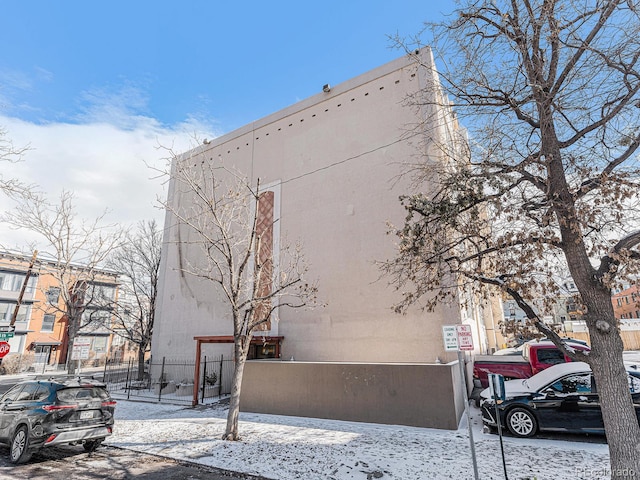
x=141, y=352
x=240, y=351
x=618, y=412
x=72, y=332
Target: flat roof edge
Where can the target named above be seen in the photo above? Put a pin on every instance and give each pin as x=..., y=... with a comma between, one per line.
x=366, y=77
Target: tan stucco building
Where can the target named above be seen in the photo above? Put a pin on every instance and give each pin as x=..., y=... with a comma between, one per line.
x=335, y=163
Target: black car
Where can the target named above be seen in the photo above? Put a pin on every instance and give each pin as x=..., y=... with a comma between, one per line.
x=563, y=397
x=42, y=413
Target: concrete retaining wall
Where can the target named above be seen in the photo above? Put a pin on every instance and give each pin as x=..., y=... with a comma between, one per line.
x=421, y=395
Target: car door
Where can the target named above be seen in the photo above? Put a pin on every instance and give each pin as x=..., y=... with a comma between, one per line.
x=7, y=415
x=569, y=404
x=15, y=407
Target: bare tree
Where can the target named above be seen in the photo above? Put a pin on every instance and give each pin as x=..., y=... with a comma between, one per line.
x=137, y=260
x=75, y=251
x=548, y=182
x=10, y=153
x=223, y=239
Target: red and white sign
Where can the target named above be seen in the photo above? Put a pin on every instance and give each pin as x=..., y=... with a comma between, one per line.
x=4, y=348
x=465, y=337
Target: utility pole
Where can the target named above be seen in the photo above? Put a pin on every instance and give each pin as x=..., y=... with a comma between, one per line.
x=24, y=288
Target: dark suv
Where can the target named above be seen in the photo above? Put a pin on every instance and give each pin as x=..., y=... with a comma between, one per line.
x=41, y=413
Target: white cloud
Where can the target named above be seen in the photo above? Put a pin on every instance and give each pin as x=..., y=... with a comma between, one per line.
x=104, y=163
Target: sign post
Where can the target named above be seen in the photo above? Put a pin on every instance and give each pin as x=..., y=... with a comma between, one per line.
x=80, y=350
x=463, y=342
x=498, y=394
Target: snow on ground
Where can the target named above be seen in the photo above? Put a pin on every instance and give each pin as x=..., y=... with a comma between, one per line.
x=284, y=448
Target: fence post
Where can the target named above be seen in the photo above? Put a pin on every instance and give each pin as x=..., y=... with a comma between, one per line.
x=161, y=379
x=127, y=387
x=204, y=379
x=220, y=376
x=104, y=374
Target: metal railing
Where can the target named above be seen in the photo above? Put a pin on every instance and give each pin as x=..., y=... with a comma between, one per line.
x=170, y=380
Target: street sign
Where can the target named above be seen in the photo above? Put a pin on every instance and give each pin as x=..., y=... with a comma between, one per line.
x=465, y=337
x=6, y=335
x=450, y=337
x=8, y=328
x=4, y=349
x=80, y=350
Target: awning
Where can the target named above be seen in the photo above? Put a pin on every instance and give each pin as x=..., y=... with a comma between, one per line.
x=44, y=339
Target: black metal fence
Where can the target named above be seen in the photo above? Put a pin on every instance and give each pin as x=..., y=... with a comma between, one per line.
x=170, y=380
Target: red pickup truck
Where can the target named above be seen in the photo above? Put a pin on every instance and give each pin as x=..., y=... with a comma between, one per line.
x=535, y=356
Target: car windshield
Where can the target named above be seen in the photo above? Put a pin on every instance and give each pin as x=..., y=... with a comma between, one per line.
x=551, y=374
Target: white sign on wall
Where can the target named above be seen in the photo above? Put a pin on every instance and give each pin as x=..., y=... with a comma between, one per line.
x=465, y=337
x=450, y=337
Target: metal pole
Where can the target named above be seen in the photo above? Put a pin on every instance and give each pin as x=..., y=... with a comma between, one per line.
x=127, y=386
x=204, y=379
x=499, y=422
x=161, y=379
x=466, y=409
x=220, y=377
x=23, y=289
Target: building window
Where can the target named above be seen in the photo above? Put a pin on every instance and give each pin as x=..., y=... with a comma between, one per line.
x=47, y=323
x=100, y=344
x=101, y=294
x=53, y=295
x=12, y=282
x=6, y=312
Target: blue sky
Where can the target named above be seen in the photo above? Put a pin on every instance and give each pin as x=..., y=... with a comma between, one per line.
x=161, y=70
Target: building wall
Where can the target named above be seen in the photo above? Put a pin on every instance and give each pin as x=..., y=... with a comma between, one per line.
x=395, y=394
x=335, y=162
x=626, y=304
x=33, y=333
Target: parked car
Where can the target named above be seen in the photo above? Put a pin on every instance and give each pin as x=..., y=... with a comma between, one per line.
x=536, y=355
x=563, y=397
x=43, y=413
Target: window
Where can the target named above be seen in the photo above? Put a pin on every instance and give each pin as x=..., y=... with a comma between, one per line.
x=550, y=356
x=12, y=394
x=12, y=282
x=28, y=392
x=100, y=344
x=101, y=294
x=580, y=383
x=6, y=312
x=42, y=394
x=53, y=295
x=47, y=323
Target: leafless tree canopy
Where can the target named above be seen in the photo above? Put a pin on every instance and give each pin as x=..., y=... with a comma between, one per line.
x=75, y=249
x=11, y=153
x=222, y=239
x=137, y=260
x=549, y=94
x=547, y=182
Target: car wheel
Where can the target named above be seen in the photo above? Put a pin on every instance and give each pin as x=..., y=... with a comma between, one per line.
x=521, y=422
x=19, y=448
x=91, y=445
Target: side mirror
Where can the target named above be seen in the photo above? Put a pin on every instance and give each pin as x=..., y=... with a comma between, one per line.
x=549, y=392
